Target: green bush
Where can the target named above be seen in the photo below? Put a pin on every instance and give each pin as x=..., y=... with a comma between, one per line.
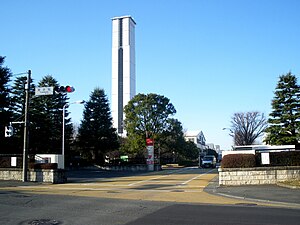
x=188, y=162
x=238, y=161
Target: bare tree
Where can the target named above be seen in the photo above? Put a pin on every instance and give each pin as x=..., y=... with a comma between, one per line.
x=247, y=127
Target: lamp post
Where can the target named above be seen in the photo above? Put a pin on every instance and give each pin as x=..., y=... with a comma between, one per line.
x=63, y=128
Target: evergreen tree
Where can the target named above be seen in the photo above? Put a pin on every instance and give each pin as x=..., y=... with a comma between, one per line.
x=46, y=117
x=173, y=144
x=5, y=76
x=146, y=116
x=5, y=112
x=172, y=141
x=96, y=134
x=284, y=120
x=18, y=107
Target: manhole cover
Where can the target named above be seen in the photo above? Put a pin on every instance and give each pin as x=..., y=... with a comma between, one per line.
x=44, y=222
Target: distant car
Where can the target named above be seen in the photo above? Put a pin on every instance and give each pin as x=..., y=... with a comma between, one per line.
x=209, y=161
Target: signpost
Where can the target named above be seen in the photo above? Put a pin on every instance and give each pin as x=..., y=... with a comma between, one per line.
x=150, y=150
x=265, y=158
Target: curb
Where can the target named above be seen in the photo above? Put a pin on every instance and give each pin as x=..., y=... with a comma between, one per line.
x=212, y=188
x=289, y=205
x=287, y=186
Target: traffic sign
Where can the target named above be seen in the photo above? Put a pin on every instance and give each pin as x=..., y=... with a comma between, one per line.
x=149, y=142
x=44, y=91
x=9, y=131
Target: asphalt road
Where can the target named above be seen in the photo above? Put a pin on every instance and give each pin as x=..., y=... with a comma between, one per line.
x=174, y=197
x=20, y=209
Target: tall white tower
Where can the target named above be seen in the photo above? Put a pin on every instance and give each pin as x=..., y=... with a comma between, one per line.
x=123, y=67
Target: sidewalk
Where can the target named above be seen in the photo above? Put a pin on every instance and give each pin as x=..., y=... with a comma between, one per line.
x=17, y=183
x=260, y=193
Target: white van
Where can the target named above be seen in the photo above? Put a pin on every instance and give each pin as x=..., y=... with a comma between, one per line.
x=209, y=161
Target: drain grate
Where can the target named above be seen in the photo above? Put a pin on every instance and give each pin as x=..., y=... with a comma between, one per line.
x=44, y=222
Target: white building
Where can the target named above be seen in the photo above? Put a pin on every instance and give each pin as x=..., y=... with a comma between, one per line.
x=123, y=67
x=197, y=137
x=211, y=146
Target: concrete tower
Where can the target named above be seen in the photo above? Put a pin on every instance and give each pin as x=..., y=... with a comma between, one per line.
x=123, y=67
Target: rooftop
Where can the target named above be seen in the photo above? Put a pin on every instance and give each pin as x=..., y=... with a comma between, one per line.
x=123, y=17
x=193, y=133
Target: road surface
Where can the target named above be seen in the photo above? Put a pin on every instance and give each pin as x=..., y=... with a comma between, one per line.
x=165, y=197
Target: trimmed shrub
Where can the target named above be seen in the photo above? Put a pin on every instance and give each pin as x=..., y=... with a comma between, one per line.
x=291, y=158
x=43, y=166
x=5, y=162
x=238, y=161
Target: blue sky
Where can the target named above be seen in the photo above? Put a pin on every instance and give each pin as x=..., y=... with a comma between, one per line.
x=211, y=58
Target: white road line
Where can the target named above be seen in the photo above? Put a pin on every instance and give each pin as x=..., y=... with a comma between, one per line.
x=155, y=178
x=142, y=181
x=175, y=171
x=196, y=177
x=121, y=190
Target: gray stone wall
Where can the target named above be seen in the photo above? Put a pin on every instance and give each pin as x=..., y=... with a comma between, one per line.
x=37, y=175
x=257, y=175
x=141, y=167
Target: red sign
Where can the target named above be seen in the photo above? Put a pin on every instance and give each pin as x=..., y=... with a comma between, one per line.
x=149, y=142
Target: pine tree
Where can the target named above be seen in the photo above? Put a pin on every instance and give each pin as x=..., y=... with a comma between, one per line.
x=18, y=107
x=5, y=76
x=46, y=115
x=96, y=135
x=5, y=112
x=284, y=121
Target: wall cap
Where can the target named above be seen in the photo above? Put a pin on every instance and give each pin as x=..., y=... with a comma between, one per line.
x=259, y=168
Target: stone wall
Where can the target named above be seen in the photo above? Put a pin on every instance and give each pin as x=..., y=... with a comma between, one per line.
x=53, y=176
x=138, y=167
x=257, y=175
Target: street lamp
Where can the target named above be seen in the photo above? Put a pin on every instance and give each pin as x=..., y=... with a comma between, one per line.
x=63, y=128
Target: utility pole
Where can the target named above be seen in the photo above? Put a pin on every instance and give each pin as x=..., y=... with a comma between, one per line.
x=26, y=128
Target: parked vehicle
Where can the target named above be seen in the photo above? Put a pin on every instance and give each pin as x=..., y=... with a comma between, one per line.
x=209, y=161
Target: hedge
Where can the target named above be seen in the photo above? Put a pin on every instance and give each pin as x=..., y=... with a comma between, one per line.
x=43, y=165
x=290, y=158
x=238, y=161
